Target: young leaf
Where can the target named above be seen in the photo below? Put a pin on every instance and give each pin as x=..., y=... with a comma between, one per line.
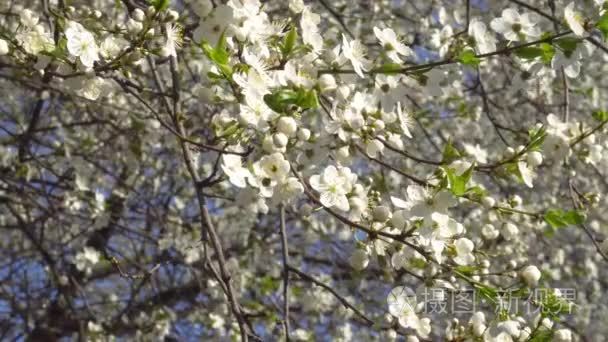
x=567, y=44
x=219, y=55
x=529, y=52
x=160, y=5
x=450, y=153
x=537, y=138
x=602, y=25
x=458, y=184
x=468, y=57
x=558, y=218
x=544, y=50
x=289, y=41
x=600, y=115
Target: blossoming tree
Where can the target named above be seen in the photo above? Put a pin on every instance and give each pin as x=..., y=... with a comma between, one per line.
x=303, y=170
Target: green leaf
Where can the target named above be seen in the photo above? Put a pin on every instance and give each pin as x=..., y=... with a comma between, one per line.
x=418, y=263
x=289, y=41
x=468, y=57
x=468, y=270
x=600, y=115
x=558, y=218
x=543, y=50
x=458, y=184
x=567, y=44
x=160, y=5
x=602, y=25
x=541, y=334
x=219, y=55
x=537, y=138
x=477, y=192
x=308, y=99
x=281, y=99
x=551, y=305
x=486, y=292
x=22, y=171
x=268, y=285
x=450, y=153
x=548, y=52
x=529, y=52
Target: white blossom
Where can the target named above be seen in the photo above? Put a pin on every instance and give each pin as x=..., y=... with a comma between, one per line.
x=81, y=43
x=511, y=24
x=354, y=51
x=333, y=185
x=392, y=45
x=574, y=19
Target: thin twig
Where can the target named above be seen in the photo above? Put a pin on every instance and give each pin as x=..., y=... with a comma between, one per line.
x=342, y=300
x=285, y=252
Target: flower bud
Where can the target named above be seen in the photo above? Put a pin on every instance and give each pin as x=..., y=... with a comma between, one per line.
x=240, y=34
x=547, y=323
x=379, y=125
x=138, y=15
x=479, y=329
x=134, y=26
x=395, y=141
x=359, y=260
x=534, y=158
x=398, y=219
x=357, y=204
x=28, y=18
x=374, y=147
x=327, y=83
x=64, y=280
x=511, y=327
x=172, y=16
x=562, y=335
x=343, y=92
x=303, y=134
x=515, y=201
x=509, y=152
x=488, y=202
x=381, y=213
x=3, y=47
x=489, y=232
x=358, y=189
x=343, y=154
x=280, y=140
x=389, y=335
x=509, y=231
x=531, y=275
x=150, y=11
x=287, y=125
x=202, y=8
x=268, y=144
